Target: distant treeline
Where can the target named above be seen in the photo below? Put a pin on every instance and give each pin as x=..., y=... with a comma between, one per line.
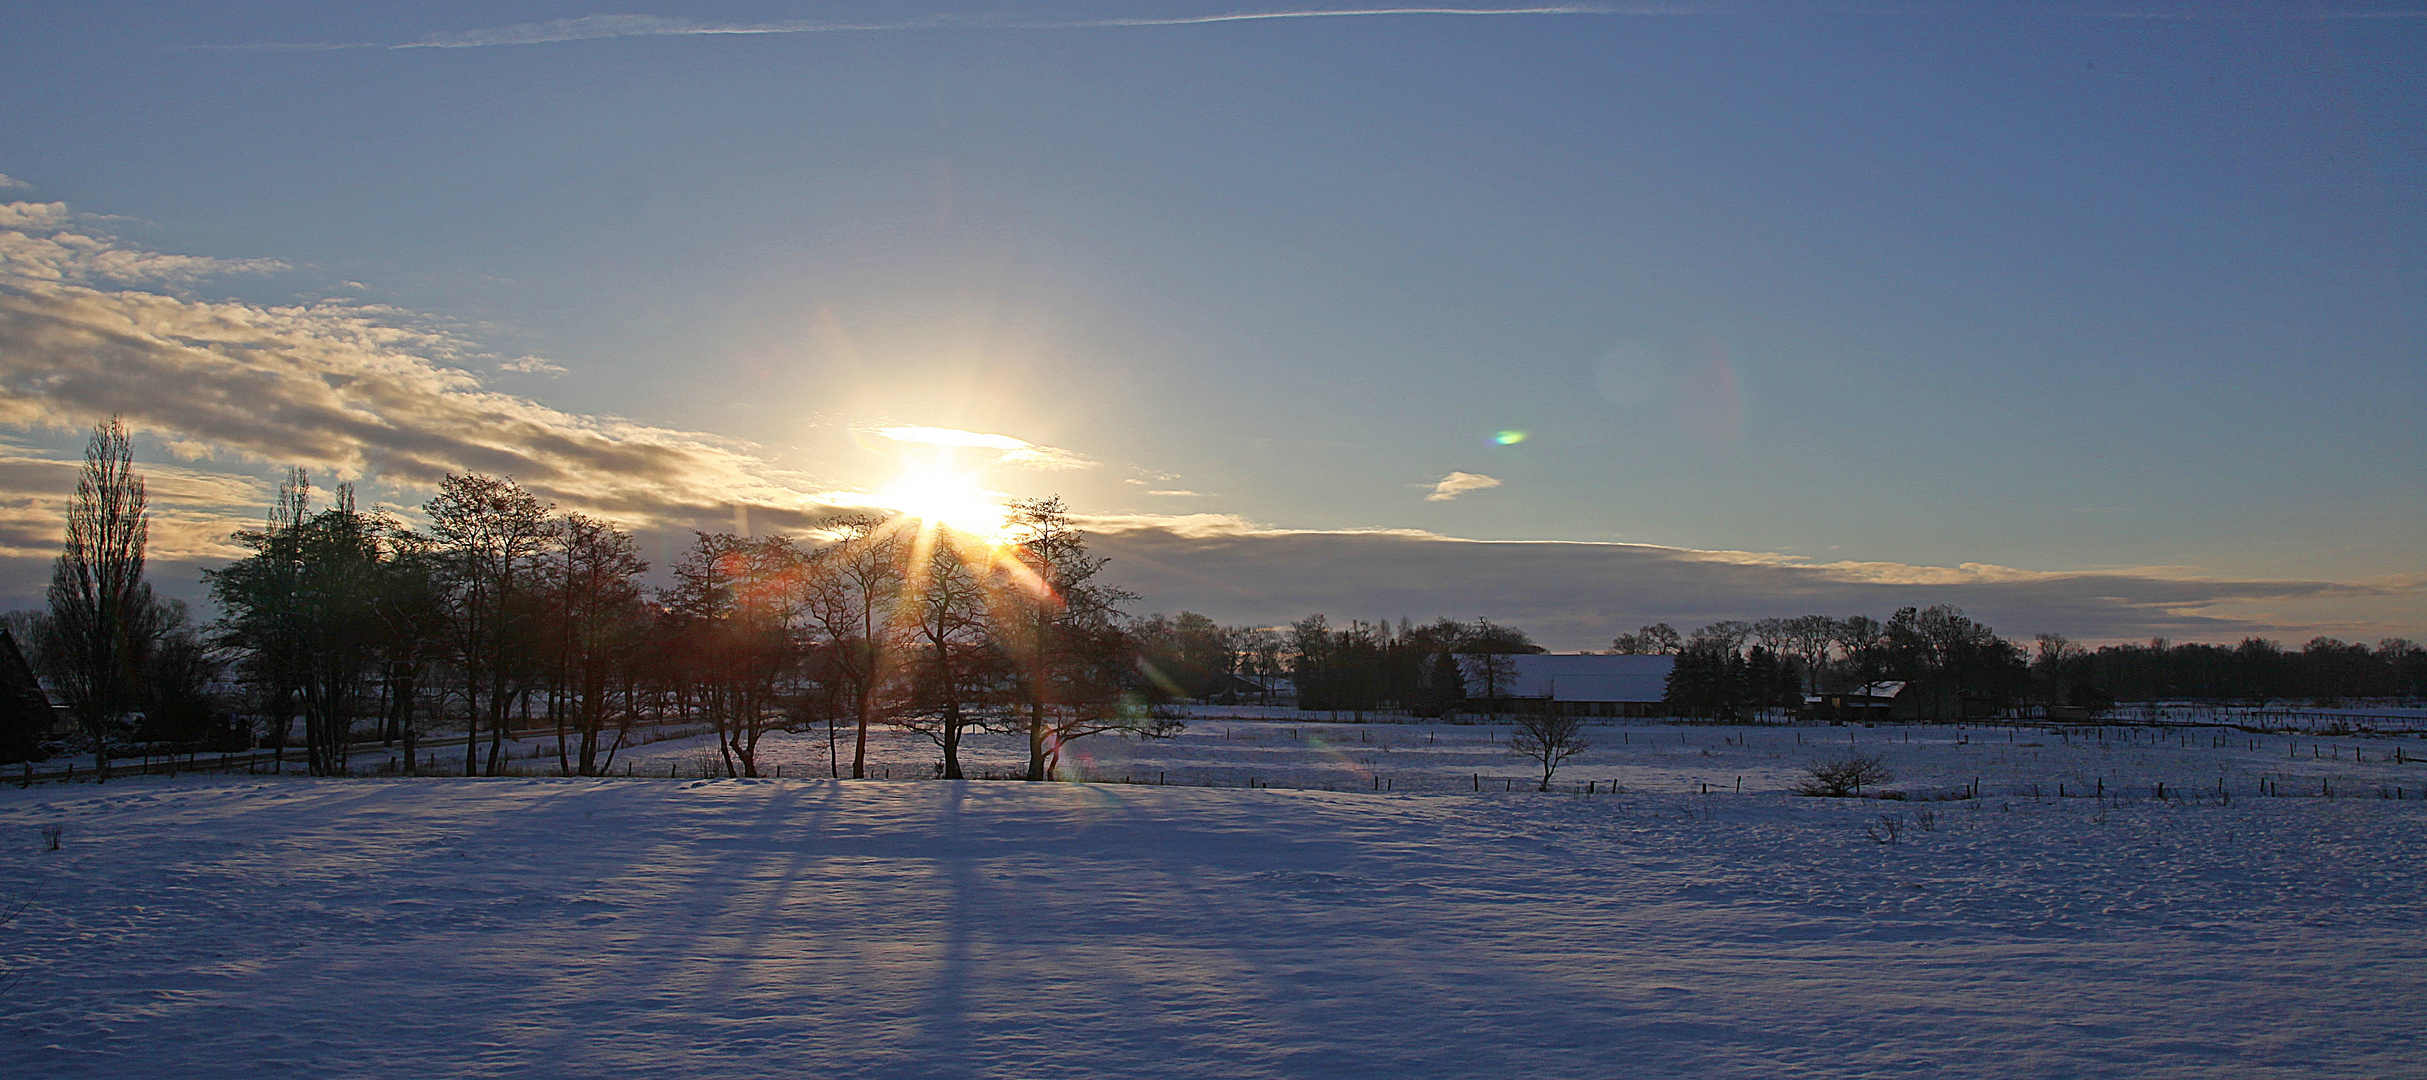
x=1427, y=669
x=504, y=616
x=2256, y=670
x=1766, y=664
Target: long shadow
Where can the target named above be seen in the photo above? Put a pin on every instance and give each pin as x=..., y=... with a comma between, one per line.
x=574, y=1003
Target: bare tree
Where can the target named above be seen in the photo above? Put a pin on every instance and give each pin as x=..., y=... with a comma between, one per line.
x=1062, y=628
x=1809, y=638
x=1488, y=647
x=1548, y=738
x=848, y=594
x=1729, y=634
x=1864, y=644
x=1839, y=777
x=1492, y=675
x=98, y=599
x=489, y=534
x=948, y=614
x=309, y=611
x=599, y=625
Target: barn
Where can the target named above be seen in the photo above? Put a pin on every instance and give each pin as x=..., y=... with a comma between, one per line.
x=1590, y=684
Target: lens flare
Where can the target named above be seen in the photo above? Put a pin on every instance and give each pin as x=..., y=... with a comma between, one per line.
x=937, y=493
x=1509, y=438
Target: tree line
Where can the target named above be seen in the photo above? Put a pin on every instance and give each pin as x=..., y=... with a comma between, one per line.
x=2254, y=671
x=1734, y=665
x=505, y=616
x=1731, y=666
x=1427, y=669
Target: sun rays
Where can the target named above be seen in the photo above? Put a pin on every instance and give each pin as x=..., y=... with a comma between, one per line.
x=936, y=493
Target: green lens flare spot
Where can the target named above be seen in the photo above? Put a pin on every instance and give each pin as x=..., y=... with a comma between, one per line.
x=1509, y=438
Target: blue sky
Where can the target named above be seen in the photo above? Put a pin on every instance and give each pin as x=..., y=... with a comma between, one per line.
x=2071, y=293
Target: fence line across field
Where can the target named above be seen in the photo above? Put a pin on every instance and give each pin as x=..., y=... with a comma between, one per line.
x=531, y=746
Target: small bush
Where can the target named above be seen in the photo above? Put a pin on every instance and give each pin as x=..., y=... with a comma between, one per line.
x=1890, y=830
x=1838, y=777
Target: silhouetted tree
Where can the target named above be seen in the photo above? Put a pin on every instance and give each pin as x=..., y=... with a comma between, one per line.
x=950, y=622
x=1061, y=628
x=304, y=610
x=1658, y=639
x=489, y=537
x=100, y=607
x=849, y=591
x=1547, y=738
x=599, y=625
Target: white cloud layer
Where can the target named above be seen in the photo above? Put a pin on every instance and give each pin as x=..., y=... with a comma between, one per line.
x=531, y=365
x=1459, y=483
x=340, y=389
x=1017, y=452
x=37, y=245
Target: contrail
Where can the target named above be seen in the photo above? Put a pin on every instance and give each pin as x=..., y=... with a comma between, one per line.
x=597, y=27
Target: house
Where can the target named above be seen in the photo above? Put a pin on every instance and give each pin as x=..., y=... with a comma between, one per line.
x=1589, y=684
x=1249, y=690
x=26, y=716
x=1886, y=701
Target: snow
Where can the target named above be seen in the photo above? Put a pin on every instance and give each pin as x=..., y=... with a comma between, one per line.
x=247, y=926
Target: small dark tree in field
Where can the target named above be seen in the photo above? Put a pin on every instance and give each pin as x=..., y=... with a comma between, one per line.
x=1548, y=739
x=1839, y=777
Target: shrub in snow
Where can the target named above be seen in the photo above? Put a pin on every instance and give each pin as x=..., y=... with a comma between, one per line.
x=1839, y=777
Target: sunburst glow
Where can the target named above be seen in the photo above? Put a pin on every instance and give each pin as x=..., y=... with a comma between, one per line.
x=936, y=493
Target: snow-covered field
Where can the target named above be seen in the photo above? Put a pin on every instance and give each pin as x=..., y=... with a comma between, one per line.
x=1645, y=758
x=205, y=926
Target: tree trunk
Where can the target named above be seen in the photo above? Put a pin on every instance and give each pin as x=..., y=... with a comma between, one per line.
x=404, y=724
x=1036, y=741
x=859, y=746
x=952, y=740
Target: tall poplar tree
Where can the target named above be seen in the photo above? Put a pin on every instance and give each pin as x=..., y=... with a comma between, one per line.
x=99, y=603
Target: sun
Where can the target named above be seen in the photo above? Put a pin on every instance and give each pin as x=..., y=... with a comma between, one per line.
x=936, y=493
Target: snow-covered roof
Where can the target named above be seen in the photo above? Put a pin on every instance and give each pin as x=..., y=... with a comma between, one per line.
x=1591, y=677
x=1879, y=689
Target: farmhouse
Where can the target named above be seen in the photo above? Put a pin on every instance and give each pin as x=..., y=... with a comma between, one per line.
x=1590, y=684
x=1886, y=701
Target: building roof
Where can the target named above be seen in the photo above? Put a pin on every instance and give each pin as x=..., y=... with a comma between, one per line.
x=1881, y=691
x=1592, y=677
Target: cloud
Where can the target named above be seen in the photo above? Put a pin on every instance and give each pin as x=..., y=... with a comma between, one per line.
x=531, y=365
x=1459, y=483
x=1019, y=452
x=1580, y=595
x=35, y=245
x=7, y=182
x=188, y=507
x=32, y=215
x=1180, y=494
x=347, y=391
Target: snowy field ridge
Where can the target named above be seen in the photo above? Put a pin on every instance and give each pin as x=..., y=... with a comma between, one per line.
x=232, y=926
